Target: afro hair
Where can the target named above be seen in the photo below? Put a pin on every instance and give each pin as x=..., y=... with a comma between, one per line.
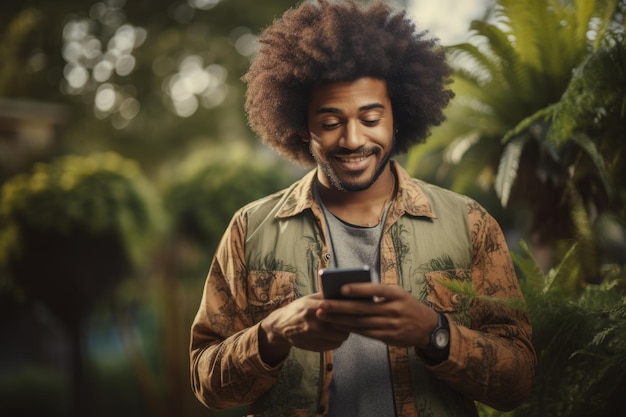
x=324, y=41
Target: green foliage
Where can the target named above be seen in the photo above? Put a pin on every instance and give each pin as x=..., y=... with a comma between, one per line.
x=76, y=226
x=206, y=188
x=517, y=64
x=538, y=115
x=45, y=42
x=580, y=342
x=592, y=113
x=591, y=108
x=595, y=91
x=97, y=194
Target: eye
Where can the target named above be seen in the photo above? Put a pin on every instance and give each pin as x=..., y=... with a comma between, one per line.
x=331, y=124
x=371, y=123
x=371, y=118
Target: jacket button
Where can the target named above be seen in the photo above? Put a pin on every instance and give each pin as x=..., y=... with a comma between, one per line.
x=455, y=299
x=327, y=256
x=329, y=367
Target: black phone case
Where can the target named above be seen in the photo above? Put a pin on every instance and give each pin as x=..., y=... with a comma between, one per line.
x=334, y=279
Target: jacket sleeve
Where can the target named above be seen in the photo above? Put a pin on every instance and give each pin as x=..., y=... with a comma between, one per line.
x=491, y=359
x=226, y=368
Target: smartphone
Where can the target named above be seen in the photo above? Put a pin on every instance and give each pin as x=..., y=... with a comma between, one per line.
x=334, y=279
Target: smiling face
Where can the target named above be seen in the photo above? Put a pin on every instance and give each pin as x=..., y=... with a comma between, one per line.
x=351, y=129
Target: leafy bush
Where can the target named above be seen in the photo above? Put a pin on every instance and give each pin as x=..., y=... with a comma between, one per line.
x=580, y=341
x=205, y=190
x=73, y=228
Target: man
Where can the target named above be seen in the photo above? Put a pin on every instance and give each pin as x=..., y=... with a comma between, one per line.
x=347, y=86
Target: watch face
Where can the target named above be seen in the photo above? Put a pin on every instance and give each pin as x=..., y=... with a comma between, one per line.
x=442, y=337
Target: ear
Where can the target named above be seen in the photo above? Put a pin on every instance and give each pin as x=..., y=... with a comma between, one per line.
x=306, y=138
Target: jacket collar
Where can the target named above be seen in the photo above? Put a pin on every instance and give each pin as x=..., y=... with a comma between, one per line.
x=410, y=198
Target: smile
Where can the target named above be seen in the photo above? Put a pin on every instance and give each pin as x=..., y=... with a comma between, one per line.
x=353, y=159
x=355, y=162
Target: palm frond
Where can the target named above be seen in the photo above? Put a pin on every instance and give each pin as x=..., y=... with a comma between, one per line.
x=559, y=48
x=473, y=156
x=515, y=140
x=520, y=19
x=587, y=145
x=584, y=12
x=508, y=167
x=536, y=28
x=516, y=74
x=467, y=84
x=467, y=55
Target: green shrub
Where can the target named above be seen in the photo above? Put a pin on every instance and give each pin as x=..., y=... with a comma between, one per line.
x=75, y=227
x=205, y=190
x=580, y=341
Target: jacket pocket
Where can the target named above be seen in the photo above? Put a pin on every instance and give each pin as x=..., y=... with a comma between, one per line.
x=269, y=290
x=451, y=291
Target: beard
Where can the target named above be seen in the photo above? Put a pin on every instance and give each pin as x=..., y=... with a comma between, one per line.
x=351, y=184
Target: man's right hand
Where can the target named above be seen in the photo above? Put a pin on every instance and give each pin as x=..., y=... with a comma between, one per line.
x=296, y=325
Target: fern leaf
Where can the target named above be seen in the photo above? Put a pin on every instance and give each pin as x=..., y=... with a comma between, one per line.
x=529, y=267
x=555, y=274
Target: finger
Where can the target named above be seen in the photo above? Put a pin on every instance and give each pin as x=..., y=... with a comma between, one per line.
x=319, y=337
x=361, y=289
x=316, y=296
x=355, y=323
x=372, y=290
x=347, y=307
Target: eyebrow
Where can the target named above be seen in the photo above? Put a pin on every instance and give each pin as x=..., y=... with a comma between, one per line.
x=334, y=110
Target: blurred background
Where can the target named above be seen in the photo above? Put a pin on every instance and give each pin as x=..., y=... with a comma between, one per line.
x=124, y=151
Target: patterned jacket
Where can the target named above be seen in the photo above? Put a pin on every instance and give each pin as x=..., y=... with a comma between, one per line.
x=441, y=247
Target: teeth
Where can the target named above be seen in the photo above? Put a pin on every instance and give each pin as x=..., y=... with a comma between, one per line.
x=353, y=159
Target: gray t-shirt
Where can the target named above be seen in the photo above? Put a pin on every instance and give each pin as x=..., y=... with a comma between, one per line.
x=361, y=383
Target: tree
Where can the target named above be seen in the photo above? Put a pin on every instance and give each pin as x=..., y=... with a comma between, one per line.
x=71, y=232
x=513, y=81
x=144, y=78
x=538, y=117
x=152, y=81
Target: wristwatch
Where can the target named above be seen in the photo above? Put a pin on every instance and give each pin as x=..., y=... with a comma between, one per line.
x=440, y=336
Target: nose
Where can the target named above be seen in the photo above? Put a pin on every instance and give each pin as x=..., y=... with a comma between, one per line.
x=352, y=138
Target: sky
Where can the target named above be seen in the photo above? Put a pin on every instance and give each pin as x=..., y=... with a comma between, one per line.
x=447, y=20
